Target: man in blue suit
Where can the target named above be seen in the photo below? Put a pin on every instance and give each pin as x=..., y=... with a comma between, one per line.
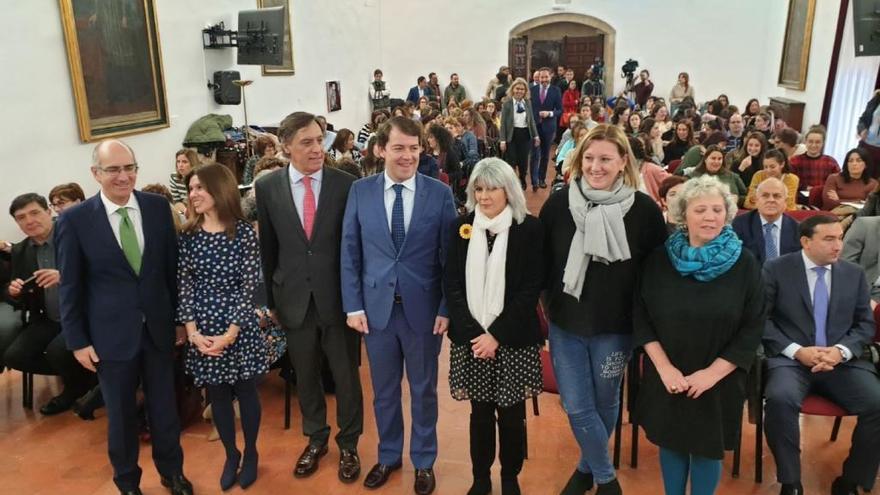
x=547, y=108
x=394, y=237
x=819, y=320
x=419, y=90
x=118, y=253
x=766, y=231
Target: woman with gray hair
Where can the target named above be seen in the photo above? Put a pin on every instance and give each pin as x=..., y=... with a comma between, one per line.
x=699, y=316
x=597, y=231
x=492, y=279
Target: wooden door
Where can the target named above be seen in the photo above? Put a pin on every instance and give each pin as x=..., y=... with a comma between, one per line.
x=517, y=57
x=580, y=52
x=545, y=53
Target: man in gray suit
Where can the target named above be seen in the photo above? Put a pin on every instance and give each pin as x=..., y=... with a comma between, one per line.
x=819, y=320
x=300, y=210
x=861, y=246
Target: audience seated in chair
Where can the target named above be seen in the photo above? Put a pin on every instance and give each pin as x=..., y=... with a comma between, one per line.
x=63, y=196
x=817, y=351
x=40, y=348
x=813, y=168
x=861, y=246
x=767, y=232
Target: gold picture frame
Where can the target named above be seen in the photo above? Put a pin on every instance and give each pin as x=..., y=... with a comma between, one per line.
x=287, y=68
x=115, y=66
x=796, y=44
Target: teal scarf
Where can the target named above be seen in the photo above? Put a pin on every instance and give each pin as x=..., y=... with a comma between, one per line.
x=708, y=262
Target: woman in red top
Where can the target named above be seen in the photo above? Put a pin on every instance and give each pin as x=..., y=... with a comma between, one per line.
x=570, y=100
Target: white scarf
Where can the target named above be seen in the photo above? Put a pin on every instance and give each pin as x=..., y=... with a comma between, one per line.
x=601, y=234
x=484, y=271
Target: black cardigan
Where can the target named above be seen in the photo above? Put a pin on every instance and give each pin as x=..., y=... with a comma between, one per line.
x=606, y=301
x=517, y=325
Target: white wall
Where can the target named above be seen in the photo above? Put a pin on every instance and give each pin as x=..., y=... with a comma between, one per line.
x=721, y=44
x=333, y=40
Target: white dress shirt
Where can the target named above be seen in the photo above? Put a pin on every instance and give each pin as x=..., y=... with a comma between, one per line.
x=298, y=189
x=812, y=278
x=777, y=234
x=409, y=195
x=134, y=214
x=519, y=118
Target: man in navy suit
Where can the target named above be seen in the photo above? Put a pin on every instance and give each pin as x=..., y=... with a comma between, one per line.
x=819, y=320
x=420, y=89
x=118, y=253
x=394, y=237
x=547, y=108
x=766, y=231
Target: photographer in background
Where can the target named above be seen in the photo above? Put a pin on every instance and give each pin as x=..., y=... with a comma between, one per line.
x=643, y=88
x=40, y=348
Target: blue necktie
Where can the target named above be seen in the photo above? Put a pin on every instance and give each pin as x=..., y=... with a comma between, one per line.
x=770, y=249
x=820, y=306
x=398, y=231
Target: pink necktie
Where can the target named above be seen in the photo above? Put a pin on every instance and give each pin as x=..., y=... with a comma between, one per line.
x=543, y=93
x=308, y=207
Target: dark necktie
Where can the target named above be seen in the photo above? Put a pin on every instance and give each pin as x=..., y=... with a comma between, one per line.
x=543, y=93
x=398, y=231
x=820, y=306
x=770, y=249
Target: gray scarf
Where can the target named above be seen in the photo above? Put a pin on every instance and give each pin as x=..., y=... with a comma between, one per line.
x=601, y=234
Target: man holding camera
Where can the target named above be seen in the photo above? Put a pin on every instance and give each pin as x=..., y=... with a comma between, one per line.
x=40, y=348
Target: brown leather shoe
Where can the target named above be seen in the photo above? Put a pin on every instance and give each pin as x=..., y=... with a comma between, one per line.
x=379, y=475
x=349, y=465
x=308, y=460
x=425, y=481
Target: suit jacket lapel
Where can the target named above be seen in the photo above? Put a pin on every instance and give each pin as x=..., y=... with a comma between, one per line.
x=833, y=298
x=758, y=235
x=325, y=199
x=801, y=277
x=106, y=235
x=379, y=200
x=419, y=205
x=285, y=194
x=147, y=220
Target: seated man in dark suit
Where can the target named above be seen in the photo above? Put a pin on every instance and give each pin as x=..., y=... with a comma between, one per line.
x=419, y=90
x=766, y=231
x=861, y=245
x=39, y=347
x=818, y=323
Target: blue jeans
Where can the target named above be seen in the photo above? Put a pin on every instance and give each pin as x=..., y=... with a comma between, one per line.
x=588, y=371
x=704, y=473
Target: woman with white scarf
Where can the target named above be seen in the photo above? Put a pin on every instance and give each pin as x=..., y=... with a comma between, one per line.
x=492, y=279
x=597, y=231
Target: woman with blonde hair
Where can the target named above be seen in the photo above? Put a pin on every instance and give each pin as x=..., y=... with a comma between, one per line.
x=518, y=133
x=590, y=289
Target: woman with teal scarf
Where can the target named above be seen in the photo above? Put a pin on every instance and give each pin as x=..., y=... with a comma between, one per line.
x=699, y=315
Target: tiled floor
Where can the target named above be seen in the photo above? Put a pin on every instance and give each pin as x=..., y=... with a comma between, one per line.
x=65, y=455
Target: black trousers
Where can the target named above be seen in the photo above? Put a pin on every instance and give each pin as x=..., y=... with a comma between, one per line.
x=855, y=389
x=510, y=422
x=10, y=327
x=308, y=346
x=154, y=369
x=40, y=348
x=518, y=151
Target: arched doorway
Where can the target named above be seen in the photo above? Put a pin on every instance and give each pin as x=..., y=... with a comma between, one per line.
x=573, y=40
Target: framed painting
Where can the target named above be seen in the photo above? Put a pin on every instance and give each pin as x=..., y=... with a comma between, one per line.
x=334, y=96
x=286, y=68
x=115, y=66
x=796, y=44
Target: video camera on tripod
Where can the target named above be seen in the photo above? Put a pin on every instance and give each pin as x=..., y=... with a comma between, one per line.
x=628, y=71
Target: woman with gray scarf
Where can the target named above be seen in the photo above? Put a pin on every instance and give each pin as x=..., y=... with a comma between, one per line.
x=597, y=232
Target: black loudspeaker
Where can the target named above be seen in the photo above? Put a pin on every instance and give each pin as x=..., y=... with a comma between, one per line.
x=866, y=27
x=226, y=93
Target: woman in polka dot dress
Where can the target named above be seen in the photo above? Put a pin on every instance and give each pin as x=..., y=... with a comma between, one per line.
x=492, y=279
x=218, y=271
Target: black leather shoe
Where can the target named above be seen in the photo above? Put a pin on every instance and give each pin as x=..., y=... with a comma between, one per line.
x=349, y=466
x=85, y=406
x=425, y=481
x=379, y=475
x=840, y=486
x=178, y=485
x=308, y=460
x=56, y=405
x=792, y=489
x=579, y=483
x=542, y=185
x=136, y=491
x=481, y=486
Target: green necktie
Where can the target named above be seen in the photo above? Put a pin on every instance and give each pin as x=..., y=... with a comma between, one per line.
x=129, y=241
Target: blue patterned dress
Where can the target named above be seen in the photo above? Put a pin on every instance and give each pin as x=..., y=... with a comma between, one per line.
x=217, y=278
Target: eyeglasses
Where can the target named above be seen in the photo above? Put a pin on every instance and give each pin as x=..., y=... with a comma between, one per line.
x=61, y=203
x=129, y=169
